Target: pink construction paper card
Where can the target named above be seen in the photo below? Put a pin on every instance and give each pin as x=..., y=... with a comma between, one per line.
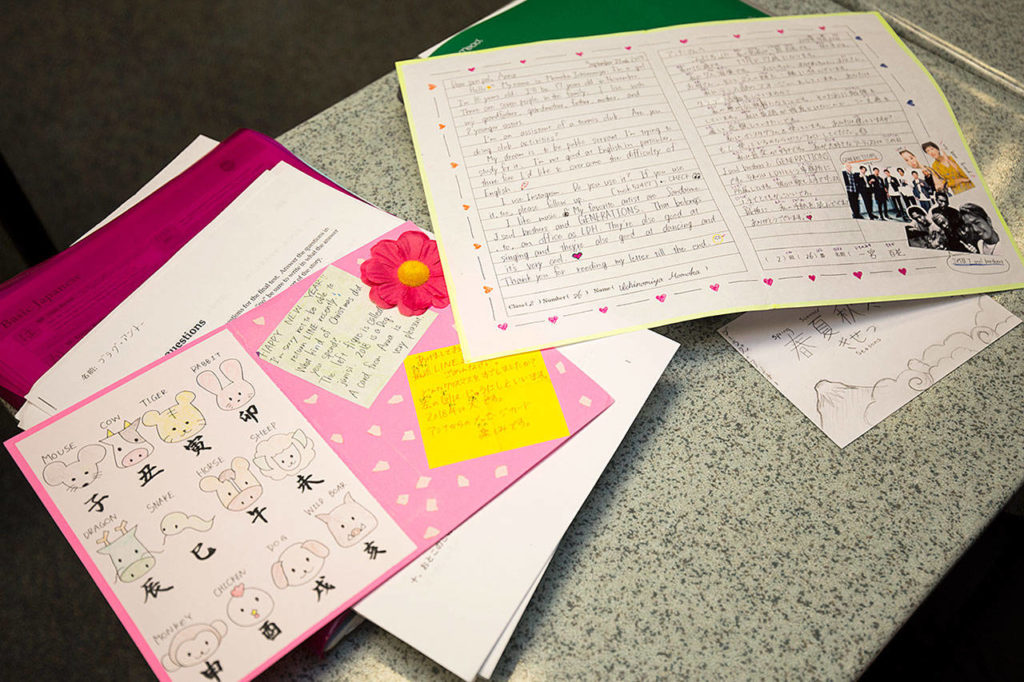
x=228, y=500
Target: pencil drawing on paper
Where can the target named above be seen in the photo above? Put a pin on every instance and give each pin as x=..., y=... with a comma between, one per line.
x=843, y=407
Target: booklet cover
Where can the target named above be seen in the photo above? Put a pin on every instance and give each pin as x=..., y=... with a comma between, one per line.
x=231, y=498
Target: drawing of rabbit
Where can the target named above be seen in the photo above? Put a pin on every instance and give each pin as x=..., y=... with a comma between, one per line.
x=235, y=393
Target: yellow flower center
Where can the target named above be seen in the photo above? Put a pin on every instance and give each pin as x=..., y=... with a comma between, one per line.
x=413, y=273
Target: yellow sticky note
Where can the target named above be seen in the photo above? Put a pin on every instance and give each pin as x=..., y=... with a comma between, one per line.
x=472, y=410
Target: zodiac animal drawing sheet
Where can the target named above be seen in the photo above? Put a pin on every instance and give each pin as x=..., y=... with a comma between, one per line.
x=232, y=497
x=848, y=367
x=586, y=186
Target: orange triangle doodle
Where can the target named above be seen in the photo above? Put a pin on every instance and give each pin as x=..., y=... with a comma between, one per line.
x=477, y=246
x=441, y=126
x=454, y=165
x=465, y=207
x=488, y=289
x=431, y=86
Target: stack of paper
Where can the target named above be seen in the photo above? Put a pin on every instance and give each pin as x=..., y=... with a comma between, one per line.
x=279, y=417
x=207, y=394
x=47, y=309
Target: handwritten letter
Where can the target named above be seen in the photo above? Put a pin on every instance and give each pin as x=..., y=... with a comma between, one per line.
x=337, y=338
x=471, y=410
x=586, y=186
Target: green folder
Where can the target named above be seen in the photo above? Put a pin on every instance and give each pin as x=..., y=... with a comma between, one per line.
x=536, y=20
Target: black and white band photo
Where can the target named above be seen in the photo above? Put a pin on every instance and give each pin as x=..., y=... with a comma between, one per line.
x=966, y=229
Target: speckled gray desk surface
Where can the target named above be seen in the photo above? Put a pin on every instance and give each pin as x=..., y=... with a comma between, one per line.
x=729, y=538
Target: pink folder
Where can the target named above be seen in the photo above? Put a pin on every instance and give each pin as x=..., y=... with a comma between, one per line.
x=47, y=309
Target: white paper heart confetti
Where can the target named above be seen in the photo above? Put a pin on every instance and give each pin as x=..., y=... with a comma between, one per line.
x=374, y=430
x=462, y=481
x=311, y=400
x=395, y=399
x=259, y=321
x=585, y=401
x=423, y=482
x=408, y=435
x=560, y=366
x=431, y=532
x=402, y=499
x=431, y=504
x=381, y=466
x=336, y=437
x=501, y=472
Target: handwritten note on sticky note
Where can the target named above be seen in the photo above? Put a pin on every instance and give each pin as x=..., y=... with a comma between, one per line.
x=335, y=337
x=471, y=410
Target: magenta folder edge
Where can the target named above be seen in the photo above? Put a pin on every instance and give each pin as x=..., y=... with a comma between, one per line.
x=47, y=309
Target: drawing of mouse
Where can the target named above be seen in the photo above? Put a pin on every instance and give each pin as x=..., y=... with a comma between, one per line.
x=248, y=605
x=193, y=645
x=284, y=454
x=178, y=422
x=349, y=522
x=232, y=395
x=237, y=488
x=128, y=445
x=79, y=473
x=299, y=563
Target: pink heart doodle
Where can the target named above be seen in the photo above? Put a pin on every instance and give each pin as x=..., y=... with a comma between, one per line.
x=713, y=287
x=579, y=54
x=809, y=216
x=553, y=319
x=735, y=35
x=858, y=274
x=472, y=68
x=629, y=47
x=684, y=40
x=780, y=30
x=903, y=271
x=503, y=326
x=769, y=281
x=578, y=255
x=812, y=277
x=822, y=28
x=661, y=298
x=522, y=61
x=603, y=309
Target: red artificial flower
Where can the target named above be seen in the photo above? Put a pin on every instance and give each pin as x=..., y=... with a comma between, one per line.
x=406, y=272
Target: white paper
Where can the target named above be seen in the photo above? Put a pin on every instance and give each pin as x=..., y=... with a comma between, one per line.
x=454, y=602
x=586, y=186
x=506, y=635
x=282, y=228
x=848, y=367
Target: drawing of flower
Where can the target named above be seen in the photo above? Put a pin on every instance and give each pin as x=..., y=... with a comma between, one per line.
x=406, y=272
